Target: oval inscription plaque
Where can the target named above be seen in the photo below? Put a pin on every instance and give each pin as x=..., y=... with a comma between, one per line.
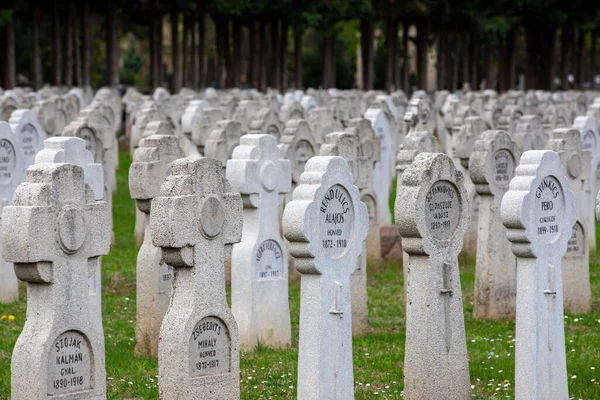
x=29, y=140
x=549, y=209
x=503, y=167
x=7, y=161
x=577, y=243
x=209, y=348
x=69, y=364
x=442, y=210
x=336, y=221
x=269, y=261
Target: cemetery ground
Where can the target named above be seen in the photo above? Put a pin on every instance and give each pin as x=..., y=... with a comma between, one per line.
x=270, y=374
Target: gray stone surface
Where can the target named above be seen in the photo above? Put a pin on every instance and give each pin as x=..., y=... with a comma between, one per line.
x=326, y=225
x=12, y=173
x=60, y=352
x=266, y=121
x=205, y=124
x=588, y=128
x=538, y=212
x=492, y=166
x=432, y=214
x=193, y=220
x=223, y=140
x=27, y=129
x=347, y=145
x=577, y=291
x=71, y=150
x=383, y=170
x=416, y=141
x=151, y=164
x=259, y=263
x=530, y=134
x=298, y=146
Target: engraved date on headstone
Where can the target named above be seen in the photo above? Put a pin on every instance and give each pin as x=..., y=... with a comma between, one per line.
x=69, y=364
x=442, y=210
x=336, y=220
x=209, y=348
x=504, y=167
x=549, y=209
x=269, y=261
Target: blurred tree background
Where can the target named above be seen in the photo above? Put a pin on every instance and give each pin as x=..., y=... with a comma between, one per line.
x=369, y=44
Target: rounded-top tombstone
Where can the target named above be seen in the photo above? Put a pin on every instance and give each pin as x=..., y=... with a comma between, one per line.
x=26, y=127
x=326, y=225
x=432, y=214
x=538, y=212
x=298, y=145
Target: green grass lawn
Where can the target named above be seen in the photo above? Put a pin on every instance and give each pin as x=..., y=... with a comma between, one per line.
x=269, y=374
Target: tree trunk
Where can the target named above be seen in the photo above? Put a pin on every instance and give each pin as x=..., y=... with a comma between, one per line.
x=77, y=47
x=580, y=70
x=263, y=54
x=86, y=44
x=391, y=40
x=329, y=61
x=227, y=53
x=566, y=40
x=36, y=56
x=175, y=81
x=254, y=55
x=367, y=28
x=489, y=67
x=193, y=70
x=474, y=58
x=422, y=33
x=593, y=55
x=454, y=62
x=185, y=70
x=396, y=56
x=236, y=31
x=405, y=57
x=283, y=64
x=152, y=34
x=201, y=48
x=112, y=71
x=540, y=41
x=510, y=64
x=57, y=56
x=441, y=58
x=160, y=50
x=69, y=55
x=10, y=75
x=298, y=57
x=275, y=59
x=465, y=58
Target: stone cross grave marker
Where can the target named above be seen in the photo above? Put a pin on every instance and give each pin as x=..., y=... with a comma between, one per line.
x=383, y=169
x=538, y=212
x=298, y=146
x=347, y=145
x=321, y=122
x=577, y=291
x=71, y=150
x=259, y=263
x=26, y=127
x=54, y=233
x=191, y=115
x=193, y=219
x=292, y=110
x=326, y=225
x=415, y=143
x=205, y=124
x=12, y=173
x=223, y=140
x=492, y=166
x=156, y=127
x=369, y=154
x=266, y=121
x=588, y=128
x=151, y=163
x=244, y=113
x=432, y=214
x=530, y=134
x=510, y=118
x=463, y=141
